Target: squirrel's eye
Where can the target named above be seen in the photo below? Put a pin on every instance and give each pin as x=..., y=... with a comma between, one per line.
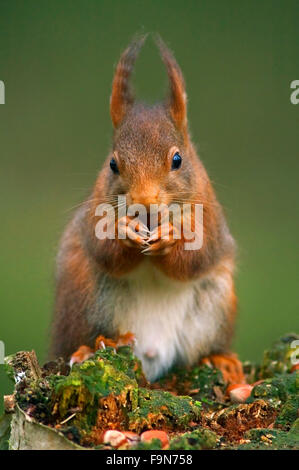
x=176, y=161
x=113, y=166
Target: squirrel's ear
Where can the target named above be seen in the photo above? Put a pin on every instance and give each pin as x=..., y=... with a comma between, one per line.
x=178, y=97
x=122, y=97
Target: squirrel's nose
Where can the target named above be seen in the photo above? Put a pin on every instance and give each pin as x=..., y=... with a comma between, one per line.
x=145, y=196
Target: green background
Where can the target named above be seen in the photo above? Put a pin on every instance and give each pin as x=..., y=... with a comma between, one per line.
x=238, y=58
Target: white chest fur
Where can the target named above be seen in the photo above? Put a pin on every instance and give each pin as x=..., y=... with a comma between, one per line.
x=171, y=320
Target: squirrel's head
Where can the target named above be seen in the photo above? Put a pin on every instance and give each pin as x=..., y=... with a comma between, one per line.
x=152, y=159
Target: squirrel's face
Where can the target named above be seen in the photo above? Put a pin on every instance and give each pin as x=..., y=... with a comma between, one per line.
x=150, y=163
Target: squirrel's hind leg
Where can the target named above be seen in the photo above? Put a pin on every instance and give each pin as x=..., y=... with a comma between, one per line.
x=229, y=365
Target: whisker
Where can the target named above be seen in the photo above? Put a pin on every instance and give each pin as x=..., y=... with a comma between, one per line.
x=110, y=199
x=78, y=205
x=195, y=201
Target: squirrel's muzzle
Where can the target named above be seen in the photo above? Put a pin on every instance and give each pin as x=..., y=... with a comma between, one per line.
x=146, y=196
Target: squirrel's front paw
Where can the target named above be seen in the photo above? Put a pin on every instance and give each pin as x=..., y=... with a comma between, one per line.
x=161, y=240
x=132, y=235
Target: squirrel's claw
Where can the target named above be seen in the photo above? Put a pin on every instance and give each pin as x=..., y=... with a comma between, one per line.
x=85, y=352
x=160, y=241
x=122, y=340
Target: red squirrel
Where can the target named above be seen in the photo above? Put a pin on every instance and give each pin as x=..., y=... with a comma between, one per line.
x=179, y=304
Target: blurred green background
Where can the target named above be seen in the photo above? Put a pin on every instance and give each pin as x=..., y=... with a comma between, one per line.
x=238, y=58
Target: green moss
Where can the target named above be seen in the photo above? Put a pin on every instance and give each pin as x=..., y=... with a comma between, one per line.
x=277, y=360
x=36, y=396
x=98, y=377
x=269, y=439
x=278, y=389
x=206, y=379
x=90, y=382
x=8, y=368
x=158, y=409
x=110, y=391
x=109, y=375
x=204, y=382
x=195, y=440
x=123, y=361
x=295, y=428
x=155, y=444
x=288, y=413
x=266, y=391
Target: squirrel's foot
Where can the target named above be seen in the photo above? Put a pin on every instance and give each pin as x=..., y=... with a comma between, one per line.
x=127, y=339
x=229, y=365
x=85, y=352
x=82, y=354
x=161, y=240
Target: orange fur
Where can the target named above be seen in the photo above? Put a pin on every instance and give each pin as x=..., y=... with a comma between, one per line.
x=121, y=96
x=91, y=272
x=229, y=365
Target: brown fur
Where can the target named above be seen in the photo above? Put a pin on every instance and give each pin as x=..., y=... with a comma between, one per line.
x=143, y=136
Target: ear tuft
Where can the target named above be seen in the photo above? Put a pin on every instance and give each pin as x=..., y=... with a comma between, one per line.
x=178, y=97
x=122, y=97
